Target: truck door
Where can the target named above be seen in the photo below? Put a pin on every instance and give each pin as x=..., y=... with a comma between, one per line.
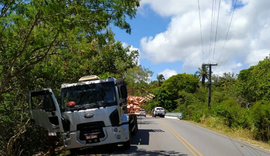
x=44, y=110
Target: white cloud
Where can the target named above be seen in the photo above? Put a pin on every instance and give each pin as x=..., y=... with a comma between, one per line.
x=170, y=7
x=254, y=56
x=125, y=44
x=167, y=73
x=232, y=67
x=239, y=65
x=247, y=41
x=131, y=48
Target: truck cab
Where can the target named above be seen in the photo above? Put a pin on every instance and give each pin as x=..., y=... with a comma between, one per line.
x=91, y=112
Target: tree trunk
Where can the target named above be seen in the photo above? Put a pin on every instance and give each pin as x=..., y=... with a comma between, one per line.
x=203, y=80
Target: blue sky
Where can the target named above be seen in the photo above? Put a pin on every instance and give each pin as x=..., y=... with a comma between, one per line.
x=148, y=23
x=167, y=35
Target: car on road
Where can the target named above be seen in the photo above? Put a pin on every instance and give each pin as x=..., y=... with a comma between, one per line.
x=142, y=113
x=158, y=111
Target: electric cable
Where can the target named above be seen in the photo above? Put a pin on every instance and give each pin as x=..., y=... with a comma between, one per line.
x=228, y=29
x=211, y=29
x=199, y=9
x=216, y=31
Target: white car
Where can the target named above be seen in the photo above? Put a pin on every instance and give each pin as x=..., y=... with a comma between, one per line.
x=142, y=113
x=158, y=111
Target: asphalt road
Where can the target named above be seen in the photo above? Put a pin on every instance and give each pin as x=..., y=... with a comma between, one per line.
x=162, y=136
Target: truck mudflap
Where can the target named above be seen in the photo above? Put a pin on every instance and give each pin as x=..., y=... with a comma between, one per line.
x=133, y=124
x=116, y=134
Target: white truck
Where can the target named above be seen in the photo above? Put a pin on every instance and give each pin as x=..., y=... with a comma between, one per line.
x=91, y=112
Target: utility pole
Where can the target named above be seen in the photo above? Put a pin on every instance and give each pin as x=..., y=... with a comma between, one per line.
x=209, y=82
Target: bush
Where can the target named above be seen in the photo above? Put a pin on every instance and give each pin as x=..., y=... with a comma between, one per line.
x=232, y=113
x=260, y=114
x=215, y=122
x=199, y=115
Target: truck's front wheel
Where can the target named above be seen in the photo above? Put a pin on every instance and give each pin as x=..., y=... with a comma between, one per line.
x=126, y=145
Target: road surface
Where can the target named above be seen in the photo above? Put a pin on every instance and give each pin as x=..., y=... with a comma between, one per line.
x=162, y=136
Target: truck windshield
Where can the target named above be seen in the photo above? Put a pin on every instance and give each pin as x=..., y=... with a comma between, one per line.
x=88, y=96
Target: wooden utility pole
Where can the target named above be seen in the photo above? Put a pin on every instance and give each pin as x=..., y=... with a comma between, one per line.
x=209, y=82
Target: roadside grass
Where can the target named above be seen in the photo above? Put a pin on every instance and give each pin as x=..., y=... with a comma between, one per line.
x=239, y=133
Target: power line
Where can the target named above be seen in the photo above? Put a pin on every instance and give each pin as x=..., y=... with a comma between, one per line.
x=228, y=29
x=211, y=29
x=200, y=27
x=216, y=30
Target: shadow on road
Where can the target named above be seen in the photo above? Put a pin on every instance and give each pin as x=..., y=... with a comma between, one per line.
x=146, y=122
x=93, y=151
x=142, y=136
x=134, y=151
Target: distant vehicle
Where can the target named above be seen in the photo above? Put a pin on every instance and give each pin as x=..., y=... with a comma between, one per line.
x=158, y=111
x=142, y=113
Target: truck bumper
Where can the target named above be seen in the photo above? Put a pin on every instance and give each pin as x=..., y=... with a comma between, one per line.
x=112, y=135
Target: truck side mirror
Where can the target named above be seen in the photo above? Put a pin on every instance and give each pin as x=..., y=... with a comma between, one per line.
x=123, y=89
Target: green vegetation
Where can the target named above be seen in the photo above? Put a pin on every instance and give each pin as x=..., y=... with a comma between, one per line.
x=202, y=73
x=45, y=43
x=238, y=102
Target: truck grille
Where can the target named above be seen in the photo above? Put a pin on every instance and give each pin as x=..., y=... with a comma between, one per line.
x=91, y=127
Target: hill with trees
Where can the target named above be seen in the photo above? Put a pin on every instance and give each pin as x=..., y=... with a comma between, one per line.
x=238, y=101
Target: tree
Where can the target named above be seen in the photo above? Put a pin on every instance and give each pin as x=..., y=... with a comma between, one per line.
x=260, y=113
x=160, y=79
x=253, y=83
x=153, y=85
x=228, y=79
x=138, y=78
x=32, y=30
x=168, y=92
x=202, y=74
x=44, y=43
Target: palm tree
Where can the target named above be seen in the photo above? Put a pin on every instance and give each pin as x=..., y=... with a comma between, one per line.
x=227, y=79
x=160, y=79
x=202, y=73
